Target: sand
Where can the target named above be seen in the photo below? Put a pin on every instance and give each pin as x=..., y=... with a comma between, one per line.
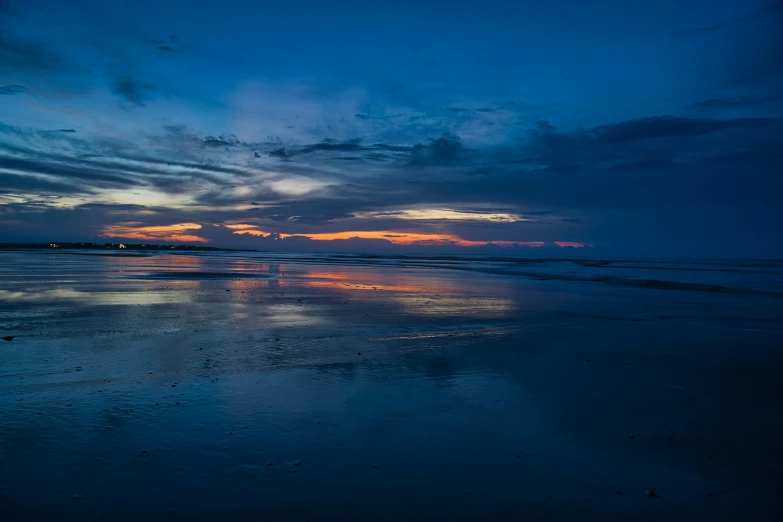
x=261, y=387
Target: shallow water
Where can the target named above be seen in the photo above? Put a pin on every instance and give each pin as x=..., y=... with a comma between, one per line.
x=360, y=388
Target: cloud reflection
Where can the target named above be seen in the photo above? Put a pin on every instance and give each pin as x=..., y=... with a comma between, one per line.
x=99, y=298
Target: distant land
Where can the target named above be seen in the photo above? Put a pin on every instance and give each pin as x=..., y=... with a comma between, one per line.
x=113, y=246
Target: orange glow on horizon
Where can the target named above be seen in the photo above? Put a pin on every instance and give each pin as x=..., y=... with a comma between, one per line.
x=413, y=238
x=178, y=232
x=183, y=232
x=240, y=226
x=367, y=281
x=396, y=238
x=250, y=232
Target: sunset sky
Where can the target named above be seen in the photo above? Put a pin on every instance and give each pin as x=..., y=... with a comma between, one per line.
x=635, y=127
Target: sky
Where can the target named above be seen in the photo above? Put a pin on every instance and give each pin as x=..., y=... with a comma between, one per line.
x=611, y=127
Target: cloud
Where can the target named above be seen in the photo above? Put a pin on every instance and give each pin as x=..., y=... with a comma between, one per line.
x=7, y=9
x=102, y=163
x=221, y=141
x=501, y=152
x=21, y=55
x=331, y=145
x=443, y=214
x=374, y=152
x=744, y=52
x=725, y=24
x=15, y=183
x=549, y=184
x=180, y=232
x=169, y=46
x=466, y=110
x=736, y=102
x=12, y=89
x=384, y=237
x=132, y=90
x=671, y=126
x=74, y=173
x=446, y=150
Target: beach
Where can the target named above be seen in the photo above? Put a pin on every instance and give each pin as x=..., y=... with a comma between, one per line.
x=249, y=386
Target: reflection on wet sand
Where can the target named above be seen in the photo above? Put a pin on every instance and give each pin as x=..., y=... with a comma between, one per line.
x=222, y=386
x=101, y=298
x=172, y=278
x=372, y=280
x=422, y=294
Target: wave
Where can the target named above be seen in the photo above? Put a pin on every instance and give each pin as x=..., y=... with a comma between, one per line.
x=746, y=277
x=625, y=272
x=182, y=274
x=660, y=284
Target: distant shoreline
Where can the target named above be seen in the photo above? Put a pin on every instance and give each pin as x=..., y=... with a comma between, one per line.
x=113, y=246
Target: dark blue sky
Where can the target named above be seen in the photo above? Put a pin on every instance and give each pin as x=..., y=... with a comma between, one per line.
x=637, y=127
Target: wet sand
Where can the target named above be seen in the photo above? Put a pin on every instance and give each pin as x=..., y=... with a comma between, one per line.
x=242, y=387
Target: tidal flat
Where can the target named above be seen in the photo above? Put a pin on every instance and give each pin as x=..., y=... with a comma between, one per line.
x=252, y=386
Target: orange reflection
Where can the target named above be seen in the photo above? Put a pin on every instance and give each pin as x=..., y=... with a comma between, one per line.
x=178, y=260
x=247, y=285
x=418, y=294
x=372, y=281
x=247, y=266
